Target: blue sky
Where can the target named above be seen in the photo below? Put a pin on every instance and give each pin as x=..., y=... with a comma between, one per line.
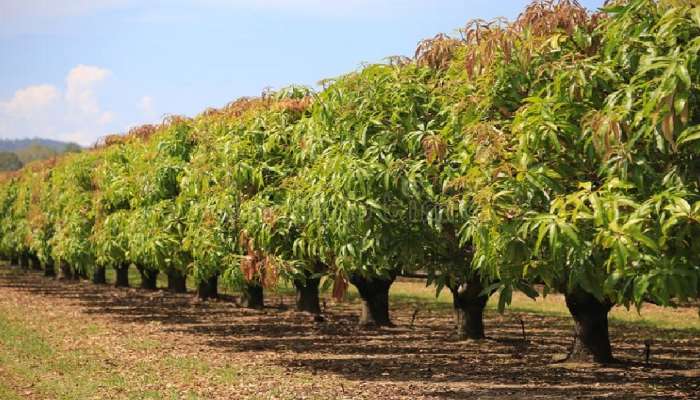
x=80, y=69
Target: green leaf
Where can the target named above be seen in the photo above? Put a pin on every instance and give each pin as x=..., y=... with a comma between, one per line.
x=527, y=289
x=641, y=285
x=505, y=297
x=690, y=134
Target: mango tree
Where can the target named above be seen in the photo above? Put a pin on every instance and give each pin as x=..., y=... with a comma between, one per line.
x=73, y=214
x=243, y=149
x=599, y=196
x=365, y=168
x=269, y=229
x=39, y=220
x=8, y=198
x=20, y=223
x=112, y=203
x=156, y=222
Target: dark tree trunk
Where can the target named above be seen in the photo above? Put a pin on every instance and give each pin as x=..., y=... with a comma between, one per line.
x=122, y=276
x=99, y=276
x=149, y=278
x=208, y=288
x=14, y=260
x=591, y=339
x=64, y=271
x=24, y=261
x=307, y=294
x=375, y=299
x=80, y=274
x=177, y=281
x=469, y=304
x=49, y=269
x=252, y=296
x=35, y=263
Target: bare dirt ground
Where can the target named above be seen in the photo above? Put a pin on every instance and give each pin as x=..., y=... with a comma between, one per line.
x=130, y=343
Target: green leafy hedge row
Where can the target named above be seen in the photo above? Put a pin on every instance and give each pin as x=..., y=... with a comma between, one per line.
x=559, y=149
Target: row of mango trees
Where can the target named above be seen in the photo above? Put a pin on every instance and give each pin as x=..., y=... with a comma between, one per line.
x=559, y=151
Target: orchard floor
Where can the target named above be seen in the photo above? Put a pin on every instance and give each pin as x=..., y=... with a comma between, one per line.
x=69, y=340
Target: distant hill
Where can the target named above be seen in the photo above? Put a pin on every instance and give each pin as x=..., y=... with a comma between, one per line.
x=17, y=144
x=9, y=161
x=14, y=153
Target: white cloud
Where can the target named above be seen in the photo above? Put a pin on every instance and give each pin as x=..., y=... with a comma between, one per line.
x=29, y=100
x=80, y=87
x=145, y=104
x=46, y=111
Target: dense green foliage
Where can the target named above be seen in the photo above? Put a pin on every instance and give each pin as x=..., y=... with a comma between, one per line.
x=598, y=187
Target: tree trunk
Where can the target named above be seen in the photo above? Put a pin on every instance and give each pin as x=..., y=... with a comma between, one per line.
x=208, y=288
x=591, y=339
x=64, y=271
x=468, y=305
x=307, y=294
x=14, y=260
x=177, y=281
x=99, y=276
x=49, y=269
x=149, y=278
x=375, y=299
x=35, y=263
x=122, y=276
x=24, y=261
x=80, y=274
x=252, y=296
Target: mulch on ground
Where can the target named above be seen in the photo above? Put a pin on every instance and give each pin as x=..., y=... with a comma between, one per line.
x=419, y=358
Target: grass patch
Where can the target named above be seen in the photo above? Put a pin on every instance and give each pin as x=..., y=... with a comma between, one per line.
x=142, y=344
x=650, y=316
x=186, y=367
x=32, y=361
x=6, y=394
x=228, y=375
x=48, y=357
x=414, y=294
x=40, y=357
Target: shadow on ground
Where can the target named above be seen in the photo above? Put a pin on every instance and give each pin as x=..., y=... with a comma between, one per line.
x=421, y=359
